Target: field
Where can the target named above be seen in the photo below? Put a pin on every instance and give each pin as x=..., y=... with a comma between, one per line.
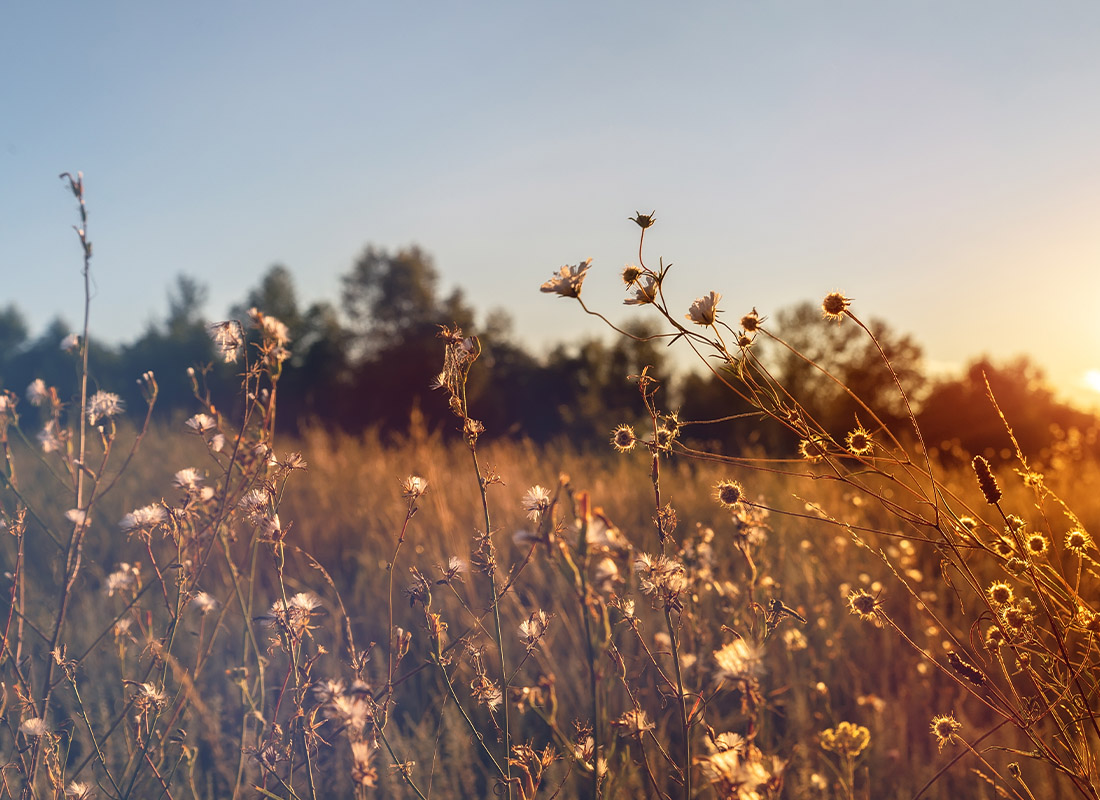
x=209, y=609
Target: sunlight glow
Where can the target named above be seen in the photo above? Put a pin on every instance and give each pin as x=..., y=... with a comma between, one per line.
x=1092, y=379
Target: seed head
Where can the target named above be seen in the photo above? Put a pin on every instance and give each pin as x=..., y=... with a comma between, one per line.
x=1077, y=540
x=863, y=604
x=730, y=494
x=750, y=323
x=986, y=481
x=643, y=221
x=623, y=438
x=1000, y=593
x=536, y=502
x=944, y=727
x=834, y=305
x=102, y=406
x=812, y=449
x=859, y=441
x=631, y=274
x=1036, y=544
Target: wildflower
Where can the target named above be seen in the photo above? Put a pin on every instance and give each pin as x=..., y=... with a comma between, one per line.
x=294, y=615
x=123, y=579
x=413, y=487
x=256, y=504
x=536, y=502
x=201, y=423
x=273, y=329
x=455, y=566
x=37, y=394
x=645, y=292
x=33, y=728
x=863, y=604
x=228, y=338
x=633, y=724
x=78, y=791
x=204, y=603
x=532, y=629
x=50, y=438
x=643, y=221
x=944, y=727
x=1015, y=617
x=187, y=479
x=567, y=280
x=144, y=518
x=1000, y=593
x=750, y=323
x=149, y=697
x=859, y=441
x=834, y=305
x=994, y=638
x=986, y=481
x=1077, y=540
x=102, y=406
x=738, y=660
x=70, y=343
x=1036, y=544
x=631, y=274
x=363, y=773
x=660, y=575
x=623, y=438
x=729, y=494
x=704, y=310
x=846, y=739
x=813, y=449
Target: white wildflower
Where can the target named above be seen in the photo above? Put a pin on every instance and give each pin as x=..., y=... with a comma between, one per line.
x=37, y=394
x=102, y=406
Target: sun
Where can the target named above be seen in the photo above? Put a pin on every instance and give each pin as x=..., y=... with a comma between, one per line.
x=1092, y=379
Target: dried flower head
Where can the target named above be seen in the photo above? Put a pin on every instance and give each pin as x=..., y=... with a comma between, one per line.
x=102, y=406
x=228, y=338
x=633, y=724
x=859, y=441
x=645, y=292
x=37, y=393
x=834, y=305
x=1000, y=593
x=201, y=423
x=70, y=343
x=1036, y=544
x=631, y=274
x=78, y=791
x=1077, y=541
x=986, y=481
x=643, y=221
x=187, y=479
x=204, y=603
x=729, y=494
x=33, y=728
x=51, y=438
x=738, y=660
x=623, y=438
x=750, y=323
x=567, y=280
x=145, y=518
x=532, y=629
x=413, y=487
x=863, y=604
x=705, y=309
x=944, y=727
x=846, y=739
x=536, y=502
x=813, y=449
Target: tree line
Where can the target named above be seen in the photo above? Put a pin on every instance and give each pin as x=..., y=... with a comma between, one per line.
x=368, y=360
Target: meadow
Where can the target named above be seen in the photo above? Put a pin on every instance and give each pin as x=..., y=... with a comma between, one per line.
x=208, y=609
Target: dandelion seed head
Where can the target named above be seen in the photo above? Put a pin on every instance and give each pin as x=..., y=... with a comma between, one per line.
x=144, y=518
x=33, y=728
x=187, y=479
x=228, y=338
x=536, y=502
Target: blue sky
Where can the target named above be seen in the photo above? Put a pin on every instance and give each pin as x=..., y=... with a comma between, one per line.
x=937, y=161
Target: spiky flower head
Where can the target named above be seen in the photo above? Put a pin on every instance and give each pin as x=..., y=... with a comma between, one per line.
x=944, y=727
x=705, y=309
x=568, y=279
x=859, y=441
x=643, y=221
x=834, y=305
x=623, y=438
x=813, y=449
x=631, y=274
x=1077, y=540
x=1036, y=544
x=633, y=724
x=863, y=604
x=1000, y=593
x=750, y=323
x=729, y=494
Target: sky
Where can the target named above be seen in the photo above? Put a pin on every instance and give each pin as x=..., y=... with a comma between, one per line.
x=938, y=162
